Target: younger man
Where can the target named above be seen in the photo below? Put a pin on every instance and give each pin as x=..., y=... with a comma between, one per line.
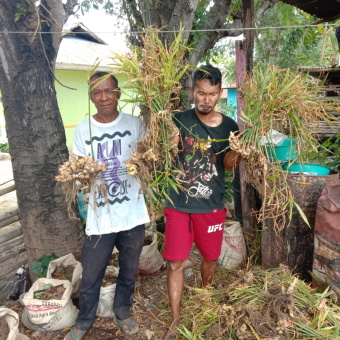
x=197, y=213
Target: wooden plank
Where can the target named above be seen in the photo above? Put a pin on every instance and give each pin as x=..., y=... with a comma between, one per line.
x=11, y=181
x=12, y=243
x=8, y=214
x=249, y=34
x=10, y=234
x=9, y=221
x=7, y=190
x=13, y=253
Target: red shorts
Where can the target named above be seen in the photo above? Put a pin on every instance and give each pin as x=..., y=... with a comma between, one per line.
x=182, y=229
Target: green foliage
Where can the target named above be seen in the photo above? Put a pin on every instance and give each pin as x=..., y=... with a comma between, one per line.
x=22, y=10
x=228, y=185
x=329, y=154
x=190, y=335
x=201, y=19
x=223, y=55
x=284, y=47
x=40, y=266
x=110, y=6
x=4, y=147
x=288, y=47
x=236, y=7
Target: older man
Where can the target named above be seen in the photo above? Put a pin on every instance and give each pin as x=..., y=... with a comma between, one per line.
x=116, y=218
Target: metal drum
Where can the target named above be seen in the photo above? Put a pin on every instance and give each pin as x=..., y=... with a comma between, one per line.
x=294, y=245
x=326, y=263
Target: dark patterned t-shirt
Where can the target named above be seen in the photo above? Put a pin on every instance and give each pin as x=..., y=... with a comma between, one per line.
x=200, y=161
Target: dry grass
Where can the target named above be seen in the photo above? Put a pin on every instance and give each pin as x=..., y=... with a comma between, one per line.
x=153, y=77
x=258, y=304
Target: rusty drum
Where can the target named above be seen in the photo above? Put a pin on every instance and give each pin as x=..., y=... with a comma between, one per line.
x=294, y=245
x=326, y=263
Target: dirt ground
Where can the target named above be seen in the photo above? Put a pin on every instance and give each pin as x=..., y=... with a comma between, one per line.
x=150, y=309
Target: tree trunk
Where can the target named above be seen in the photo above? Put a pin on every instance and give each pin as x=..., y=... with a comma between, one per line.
x=35, y=130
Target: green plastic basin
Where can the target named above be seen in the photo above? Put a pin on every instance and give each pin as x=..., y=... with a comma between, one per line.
x=284, y=152
x=320, y=170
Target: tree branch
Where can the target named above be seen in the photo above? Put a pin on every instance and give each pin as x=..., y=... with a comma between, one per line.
x=264, y=6
x=135, y=21
x=215, y=20
x=132, y=9
x=183, y=14
x=229, y=30
x=69, y=8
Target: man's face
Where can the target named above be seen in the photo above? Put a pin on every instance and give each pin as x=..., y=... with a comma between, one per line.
x=105, y=96
x=205, y=96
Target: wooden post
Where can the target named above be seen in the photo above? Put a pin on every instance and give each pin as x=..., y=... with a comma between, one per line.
x=247, y=191
x=244, y=65
x=249, y=34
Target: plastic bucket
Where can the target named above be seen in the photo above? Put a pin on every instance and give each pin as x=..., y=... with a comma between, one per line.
x=319, y=170
x=284, y=152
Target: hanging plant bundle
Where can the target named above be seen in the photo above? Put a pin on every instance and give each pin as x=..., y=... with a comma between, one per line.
x=281, y=100
x=81, y=174
x=153, y=77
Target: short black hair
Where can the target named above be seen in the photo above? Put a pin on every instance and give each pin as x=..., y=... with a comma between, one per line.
x=213, y=74
x=100, y=74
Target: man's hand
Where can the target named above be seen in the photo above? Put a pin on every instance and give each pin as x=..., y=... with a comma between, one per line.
x=231, y=160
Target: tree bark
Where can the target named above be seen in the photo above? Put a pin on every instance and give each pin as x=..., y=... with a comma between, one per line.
x=34, y=126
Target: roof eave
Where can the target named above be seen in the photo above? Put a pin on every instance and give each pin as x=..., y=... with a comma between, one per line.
x=81, y=67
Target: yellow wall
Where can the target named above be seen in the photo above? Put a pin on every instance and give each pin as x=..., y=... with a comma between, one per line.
x=74, y=105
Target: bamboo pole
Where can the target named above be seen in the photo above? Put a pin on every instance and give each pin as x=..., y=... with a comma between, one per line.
x=9, y=221
x=13, y=253
x=9, y=269
x=10, y=234
x=8, y=214
x=7, y=190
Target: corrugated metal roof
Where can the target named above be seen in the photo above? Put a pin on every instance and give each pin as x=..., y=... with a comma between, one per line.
x=81, y=49
x=80, y=54
x=81, y=31
x=330, y=75
x=327, y=10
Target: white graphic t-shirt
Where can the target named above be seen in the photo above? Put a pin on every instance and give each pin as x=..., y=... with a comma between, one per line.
x=124, y=207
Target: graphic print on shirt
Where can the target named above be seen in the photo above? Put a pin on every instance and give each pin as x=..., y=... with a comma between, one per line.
x=199, y=168
x=108, y=151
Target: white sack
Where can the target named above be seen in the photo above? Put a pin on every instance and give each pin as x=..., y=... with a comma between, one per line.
x=233, y=251
x=49, y=315
x=150, y=259
x=65, y=261
x=12, y=320
x=107, y=295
